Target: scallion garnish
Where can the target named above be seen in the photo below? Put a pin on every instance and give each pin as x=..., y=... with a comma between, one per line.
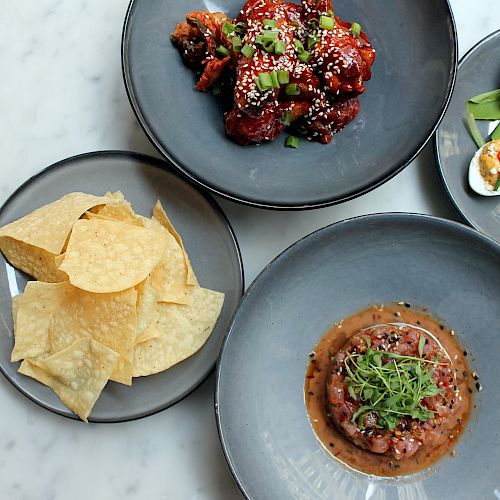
x=222, y=50
x=286, y=119
x=228, y=28
x=312, y=40
x=237, y=43
x=299, y=46
x=269, y=23
x=292, y=142
x=269, y=35
x=474, y=130
x=240, y=28
x=292, y=89
x=497, y=185
x=356, y=29
x=421, y=344
x=279, y=48
x=390, y=385
x=283, y=76
x=304, y=56
x=485, y=110
x=326, y=23
x=274, y=78
x=266, y=80
x=248, y=51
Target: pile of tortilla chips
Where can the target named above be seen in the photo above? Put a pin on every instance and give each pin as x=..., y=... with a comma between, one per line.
x=115, y=297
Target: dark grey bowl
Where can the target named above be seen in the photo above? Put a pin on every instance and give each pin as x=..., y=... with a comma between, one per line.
x=208, y=238
x=261, y=415
x=478, y=72
x=412, y=81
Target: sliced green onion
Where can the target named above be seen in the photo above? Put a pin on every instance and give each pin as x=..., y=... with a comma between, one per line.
x=486, y=110
x=269, y=35
x=494, y=135
x=259, y=85
x=286, y=119
x=274, y=78
x=292, y=142
x=269, y=22
x=292, y=89
x=497, y=185
x=356, y=29
x=474, y=131
x=295, y=23
x=266, y=80
x=312, y=40
x=222, y=50
x=248, y=51
x=299, y=46
x=228, y=28
x=326, y=22
x=240, y=28
x=486, y=97
x=331, y=13
x=304, y=56
x=279, y=48
x=269, y=46
x=283, y=76
x=237, y=43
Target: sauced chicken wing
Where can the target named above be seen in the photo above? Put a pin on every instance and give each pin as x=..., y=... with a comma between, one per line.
x=286, y=64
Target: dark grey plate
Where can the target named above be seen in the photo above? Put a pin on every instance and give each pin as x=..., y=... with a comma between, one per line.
x=264, y=429
x=208, y=238
x=412, y=81
x=479, y=71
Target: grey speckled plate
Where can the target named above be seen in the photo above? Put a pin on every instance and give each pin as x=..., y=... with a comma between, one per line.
x=208, y=238
x=479, y=71
x=268, y=441
x=411, y=84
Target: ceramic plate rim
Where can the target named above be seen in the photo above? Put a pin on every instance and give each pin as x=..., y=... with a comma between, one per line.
x=437, y=152
x=185, y=171
x=154, y=163
x=366, y=219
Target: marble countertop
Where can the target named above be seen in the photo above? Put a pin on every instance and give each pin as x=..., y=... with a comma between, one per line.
x=61, y=93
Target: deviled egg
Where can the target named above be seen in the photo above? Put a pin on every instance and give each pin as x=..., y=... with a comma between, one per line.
x=484, y=170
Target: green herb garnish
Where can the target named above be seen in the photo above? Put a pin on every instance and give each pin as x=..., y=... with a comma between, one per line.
x=391, y=385
x=474, y=130
x=228, y=28
x=286, y=119
x=222, y=51
x=292, y=142
x=248, y=51
x=497, y=185
x=496, y=133
x=326, y=22
x=292, y=89
x=486, y=110
x=486, y=97
x=356, y=29
x=269, y=23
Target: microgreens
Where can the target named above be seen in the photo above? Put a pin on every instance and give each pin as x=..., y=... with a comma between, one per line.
x=390, y=385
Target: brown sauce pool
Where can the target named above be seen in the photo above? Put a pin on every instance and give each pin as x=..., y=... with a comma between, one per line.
x=317, y=375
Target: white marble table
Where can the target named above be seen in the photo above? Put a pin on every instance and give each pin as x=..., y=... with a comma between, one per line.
x=61, y=93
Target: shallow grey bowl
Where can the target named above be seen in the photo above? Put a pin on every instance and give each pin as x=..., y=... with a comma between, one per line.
x=208, y=238
x=264, y=429
x=411, y=84
x=479, y=71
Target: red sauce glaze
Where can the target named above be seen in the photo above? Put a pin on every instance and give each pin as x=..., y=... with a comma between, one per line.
x=328, y=82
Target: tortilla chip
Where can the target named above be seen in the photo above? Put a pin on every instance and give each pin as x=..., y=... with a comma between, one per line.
x=179, y=332
x=147, y=298
x=78, y=374
x=48, y=227
x=34, y=261
x=35, y=308
x=121, y=212
x=160, y=215
x=110, y=319
x=107, y=256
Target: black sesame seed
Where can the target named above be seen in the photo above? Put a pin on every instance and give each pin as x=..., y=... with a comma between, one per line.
x=441, y=327
x=332, y=445
x=310, y=393
x=417, y=322
x=465, y=353
x=478, y=386
x=470, y=390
